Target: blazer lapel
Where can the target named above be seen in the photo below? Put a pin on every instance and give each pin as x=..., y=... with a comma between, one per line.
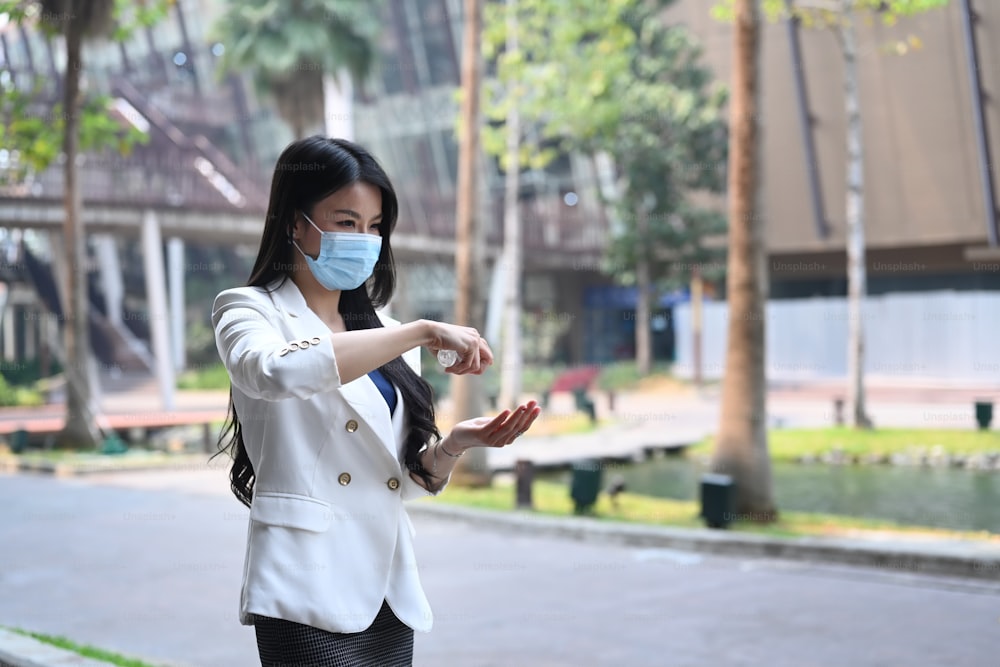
x=361, y=394
x=367, y=401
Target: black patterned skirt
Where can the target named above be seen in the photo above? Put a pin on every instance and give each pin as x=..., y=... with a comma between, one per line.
x=388, y=642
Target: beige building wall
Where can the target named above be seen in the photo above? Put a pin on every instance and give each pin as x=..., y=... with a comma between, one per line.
x=922, y=178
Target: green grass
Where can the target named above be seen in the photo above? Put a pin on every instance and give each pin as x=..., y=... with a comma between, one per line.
x=536, y=379
x=551, y=498
x=622, y=375
x=208, y=377
x=84, y=649
x=789, y=445
x=14, y=396
x=59, y=455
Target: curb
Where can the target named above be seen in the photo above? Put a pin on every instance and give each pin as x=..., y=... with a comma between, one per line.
x=955, y=559
x=17, y=650
x=15, y=464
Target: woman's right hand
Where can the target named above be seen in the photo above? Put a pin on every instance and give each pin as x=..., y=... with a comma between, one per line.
x=474, y=353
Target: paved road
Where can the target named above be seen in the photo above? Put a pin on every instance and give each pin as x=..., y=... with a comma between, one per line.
x=149, y=564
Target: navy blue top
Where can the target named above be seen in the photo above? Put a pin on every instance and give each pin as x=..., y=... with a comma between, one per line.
x=385, y=388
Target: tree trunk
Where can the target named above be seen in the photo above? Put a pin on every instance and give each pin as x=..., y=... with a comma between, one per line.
x=466, y=390
x=511, y=362
x=300, y=98
x=643, y=342
x=856, y=280
x=741, y=442
x=80, y=431
x=697, y=298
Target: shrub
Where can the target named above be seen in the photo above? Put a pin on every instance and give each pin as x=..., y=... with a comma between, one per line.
x=18, y=396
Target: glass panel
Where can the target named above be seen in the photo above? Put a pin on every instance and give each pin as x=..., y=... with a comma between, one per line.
x=441, y=57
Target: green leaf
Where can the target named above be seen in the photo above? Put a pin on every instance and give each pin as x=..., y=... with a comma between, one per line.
x=609, y=77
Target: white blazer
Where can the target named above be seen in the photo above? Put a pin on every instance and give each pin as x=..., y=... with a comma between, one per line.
x=328, y=538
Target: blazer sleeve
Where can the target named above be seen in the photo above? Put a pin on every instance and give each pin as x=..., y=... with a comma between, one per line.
x=260, y=362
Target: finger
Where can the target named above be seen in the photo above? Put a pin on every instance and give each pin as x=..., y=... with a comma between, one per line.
x=464, y=364
x=524, y=422
x=530, y=418
x=476, y=366
x=485, y=353
x=494, y=424
x=521, y=425
x=498, y=426
x=506, y=432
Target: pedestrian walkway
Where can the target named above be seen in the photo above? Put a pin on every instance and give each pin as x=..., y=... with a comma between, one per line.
x=641, y=423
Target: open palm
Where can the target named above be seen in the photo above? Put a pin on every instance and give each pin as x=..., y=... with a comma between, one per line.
x=496, y=431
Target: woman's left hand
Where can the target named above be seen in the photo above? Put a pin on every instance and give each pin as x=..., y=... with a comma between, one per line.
x=496, y=431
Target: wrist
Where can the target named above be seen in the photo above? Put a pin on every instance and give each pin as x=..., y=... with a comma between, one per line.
x=450, y=448
x=424, y=332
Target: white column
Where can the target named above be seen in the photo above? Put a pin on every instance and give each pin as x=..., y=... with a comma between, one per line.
x=338, y=103
x=175, y=275
x=494, y=303
x=111, y=276
x=9, y=348
x=156, y=299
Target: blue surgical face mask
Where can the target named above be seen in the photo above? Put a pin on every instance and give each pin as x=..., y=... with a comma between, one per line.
x=346, y=259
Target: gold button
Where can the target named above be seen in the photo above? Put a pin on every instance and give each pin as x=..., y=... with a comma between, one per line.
x=315, y=340
x=293, y=346
x=283, y=352
x=344, y=479
x=303, y=344
x=393, y=483
x=351, y=426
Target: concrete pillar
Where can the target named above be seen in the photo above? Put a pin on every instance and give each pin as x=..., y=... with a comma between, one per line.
x=338, y=96
x=110, y=271
x=9, y=328
x=53, y=339
x=175, y=275
x=156, y=299
x=494, y=305
x=31, y=333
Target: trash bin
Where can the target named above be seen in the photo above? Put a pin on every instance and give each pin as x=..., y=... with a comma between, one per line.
x=524, y=471
x=584, y=404
x=586, y=484
x=113, y=444
x=984, y=414
x=18, y=441
x=718, y=499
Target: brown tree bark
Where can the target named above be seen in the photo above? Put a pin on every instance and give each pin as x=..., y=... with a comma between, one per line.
x=643, y=305
x=466, y=390
x=80, y=431
x=741, y=441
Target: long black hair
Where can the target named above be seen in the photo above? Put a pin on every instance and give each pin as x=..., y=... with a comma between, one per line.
x=308, y=171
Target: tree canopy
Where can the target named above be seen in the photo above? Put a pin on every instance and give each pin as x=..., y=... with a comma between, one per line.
x=288, y=45
x=610, y=77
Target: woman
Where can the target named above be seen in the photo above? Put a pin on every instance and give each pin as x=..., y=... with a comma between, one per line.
x=331, y=427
